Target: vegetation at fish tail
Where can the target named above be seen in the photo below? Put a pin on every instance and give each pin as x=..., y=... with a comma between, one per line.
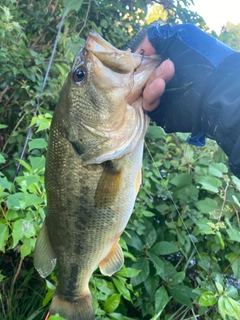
x=181, y=246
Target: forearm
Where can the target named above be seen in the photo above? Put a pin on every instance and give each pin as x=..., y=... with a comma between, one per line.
x=203, y=97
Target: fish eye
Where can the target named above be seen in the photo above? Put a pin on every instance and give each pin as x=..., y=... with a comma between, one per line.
x=79, y=74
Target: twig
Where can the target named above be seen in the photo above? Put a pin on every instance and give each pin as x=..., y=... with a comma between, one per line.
x=55, y=7
x=39, y=37
x=14, y=279
x=12, y=95
x=85, y=21
x=3, y=308
x=3, y=92
x=14, y=129
x=224, y=201
x=230, y=264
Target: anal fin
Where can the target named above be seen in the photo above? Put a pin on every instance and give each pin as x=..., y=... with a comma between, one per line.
x=113, y=261
x=44, y=255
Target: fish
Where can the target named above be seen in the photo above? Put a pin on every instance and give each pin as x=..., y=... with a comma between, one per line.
x=93, y=171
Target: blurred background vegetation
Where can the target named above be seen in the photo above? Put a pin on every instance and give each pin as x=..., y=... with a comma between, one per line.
x=181, y=246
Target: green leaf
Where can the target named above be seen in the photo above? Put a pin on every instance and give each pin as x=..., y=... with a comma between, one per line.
x=134, y=240
x=148, y=213
x=151, y=238
x=166, y=270
x=13, y=200
x=161, y=299
x=22, y=228
x=73, y=5
x=4, y=232
x=104, y=23
x=236, y=268
x=235, y=199
x=207, y=299
x=31, y=200
x=129, y=255
x=143, y=266
x=232, y=307
x=164, y=247
x=232, y=292
x=182, y=180
x=25, y=250
x=28, y=180
x=177, y=278
x=120, y=285
x=2, y=159
x=3, y=126
x=2, y=277
x=207, y=205
x=151, y=284
x=158, y=263
x=182, y=294
x=37, y=144
x=119, y=316
x=155, y=132
x=128, y=272
x=221, y=307
x=4, y=183
x=219, y=287
x=56, y=317
x=234, y=234
x=112, y=303
x=48, y=297
x=209, y=183
x=37, y=163
x=219, y=235
x=204, y=227
x=217, y=169
x=25, y=165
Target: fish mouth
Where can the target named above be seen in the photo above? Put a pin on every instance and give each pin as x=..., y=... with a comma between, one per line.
x=123, y=62
x=116, y=60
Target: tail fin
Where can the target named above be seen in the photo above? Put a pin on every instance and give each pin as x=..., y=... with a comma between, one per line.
x=78, y=309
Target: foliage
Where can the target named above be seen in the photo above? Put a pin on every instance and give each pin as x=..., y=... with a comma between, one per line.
x=156, y=12
x=231, y=35
x=181, y=245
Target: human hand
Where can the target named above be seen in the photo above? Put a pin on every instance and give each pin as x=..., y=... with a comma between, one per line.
x=194, y=56
x=202, y=97
x=157, y=81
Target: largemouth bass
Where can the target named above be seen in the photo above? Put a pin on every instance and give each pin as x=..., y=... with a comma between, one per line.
x=93, y=171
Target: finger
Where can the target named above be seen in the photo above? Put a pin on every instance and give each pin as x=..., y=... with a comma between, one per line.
x=152, y=94
x=146, y=48
x=156, y=85
x=165, y=71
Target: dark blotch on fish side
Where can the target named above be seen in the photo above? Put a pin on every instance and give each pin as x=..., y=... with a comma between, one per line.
x=72, y=283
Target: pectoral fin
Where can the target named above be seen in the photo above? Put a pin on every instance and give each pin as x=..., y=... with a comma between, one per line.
x=113, y=262
x=138, y=182
x=108, y=186
x=44, y=255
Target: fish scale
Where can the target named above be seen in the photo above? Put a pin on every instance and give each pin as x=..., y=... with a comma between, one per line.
x=93, y=171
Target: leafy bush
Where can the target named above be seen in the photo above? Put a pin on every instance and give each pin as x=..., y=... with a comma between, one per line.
x=181, y=245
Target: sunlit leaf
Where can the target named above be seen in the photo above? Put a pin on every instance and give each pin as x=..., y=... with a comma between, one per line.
x=207, y=299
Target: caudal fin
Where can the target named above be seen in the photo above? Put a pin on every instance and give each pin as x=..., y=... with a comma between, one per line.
x=78, y=309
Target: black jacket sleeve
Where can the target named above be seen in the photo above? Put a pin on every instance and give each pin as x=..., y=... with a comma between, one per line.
x=204, y=95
